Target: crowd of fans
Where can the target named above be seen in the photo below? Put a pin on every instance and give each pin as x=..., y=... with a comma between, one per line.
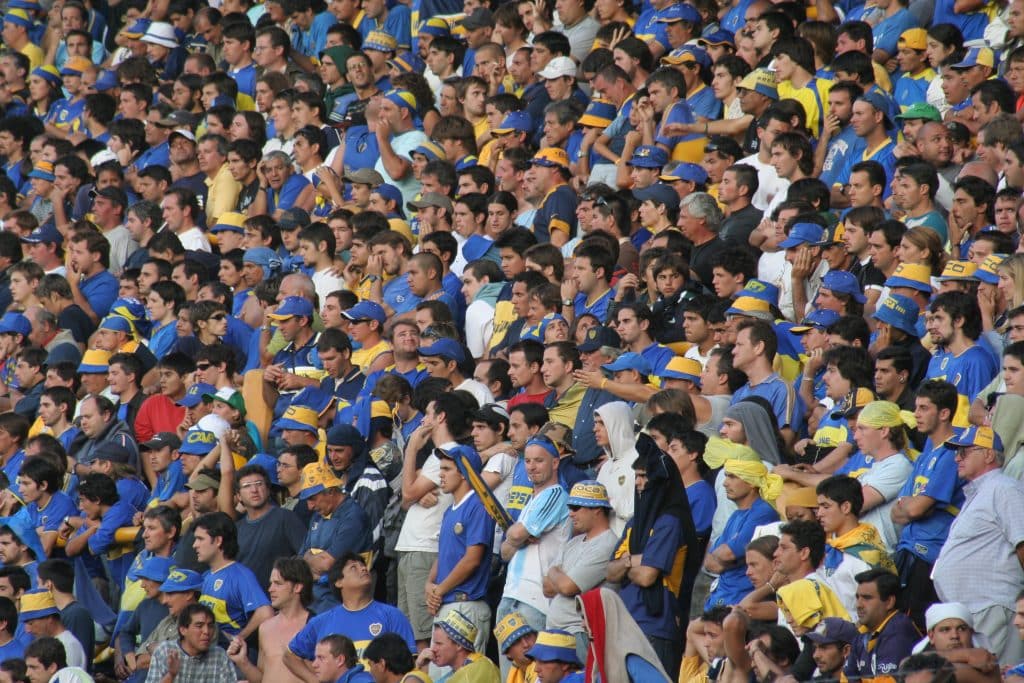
x=536, y=341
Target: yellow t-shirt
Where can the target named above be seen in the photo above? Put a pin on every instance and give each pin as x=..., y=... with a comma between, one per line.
x=364, y=357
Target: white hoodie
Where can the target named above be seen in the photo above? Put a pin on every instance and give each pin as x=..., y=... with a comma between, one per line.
x=617, y=472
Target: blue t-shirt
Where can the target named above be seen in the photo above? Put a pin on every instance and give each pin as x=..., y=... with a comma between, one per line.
x=245, y=78
x=662, y=552
x=154, y=156
x=360, y=626
x=233, y=593
x=290, y=191
x=169, y=482
x=776, y=391
x=910, y=89
x=733, y=583
x=888, y=31
x=971, y=24
x=970, y=372
x=51, y=516
x=658, y=356
x=703, y=103
x=398, y=296
x=647, y=28
x=557, y=212
x=116, y=558
x=837, y=155
x=463, y=526
x=598, y=308
x=346, y=530
x=100, y=290
x=678, y=112
x=12, y=650
x=935, y=476
x=701, y=497
x=163, y=338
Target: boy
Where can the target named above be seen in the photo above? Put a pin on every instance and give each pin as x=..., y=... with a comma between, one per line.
x=317, y=245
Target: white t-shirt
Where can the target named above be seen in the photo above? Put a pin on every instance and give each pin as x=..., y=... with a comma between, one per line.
x=480, y=392
x=194, y=239
x=887, y=477
x=769, y=182
x=479, y=327
x=326, y=283
x=74, y=650
x=422, y=525
x=502, y=464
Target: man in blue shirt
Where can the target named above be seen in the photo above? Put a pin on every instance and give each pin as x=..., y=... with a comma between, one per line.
x=339, y=526
x=887, y=636
x=93, y=287
x=929, y=501
x=750, y=487
x=462, y=570
x=230, y=588
x=754, y=352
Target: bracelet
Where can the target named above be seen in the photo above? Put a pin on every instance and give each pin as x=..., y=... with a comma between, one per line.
x=604, y=382
x=808, y=379
x=705, y=128
x=774, y=589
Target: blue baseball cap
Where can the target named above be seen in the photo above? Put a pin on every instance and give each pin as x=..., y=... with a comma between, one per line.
x=719, y=37
x=15, y=323
x=448, y=349
x=803, y=233
x=879, y=102
x=515, y=121
x=293, y=306
x=366, y=310
x=116, y=323
x=197, y=442
x=679, y=12
x=759, y=289
x=194, y=394
x=181, y=580
x=45, y=233
x=659, y=193
x=600, y=336
x=684, y=170
x=155, y=568
x=107, y=80
x=648, y=156
x=463, y=457
x=900, y=312
x=688, y=53
x=269, y=465
x=392, y=194
x=629, y=361
x=843, y=282
x=820, y=318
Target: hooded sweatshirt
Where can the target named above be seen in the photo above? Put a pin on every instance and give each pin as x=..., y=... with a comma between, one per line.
x=480, y=318
x=617, y=472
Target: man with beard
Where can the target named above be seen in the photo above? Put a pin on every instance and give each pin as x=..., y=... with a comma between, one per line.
x=837, y=138
x=351, y=108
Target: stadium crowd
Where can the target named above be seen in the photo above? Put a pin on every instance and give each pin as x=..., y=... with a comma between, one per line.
x=561, y=341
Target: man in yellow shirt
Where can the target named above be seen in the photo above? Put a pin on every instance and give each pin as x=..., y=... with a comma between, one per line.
x=15, y=35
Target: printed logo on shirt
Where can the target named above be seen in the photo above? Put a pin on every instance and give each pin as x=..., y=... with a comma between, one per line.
x=375, y=629
x=217, y=584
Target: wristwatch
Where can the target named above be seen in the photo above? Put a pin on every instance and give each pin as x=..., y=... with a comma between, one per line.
x=567, y=302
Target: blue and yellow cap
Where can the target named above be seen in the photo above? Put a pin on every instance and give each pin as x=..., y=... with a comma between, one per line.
x=900, y=312
x=37, y=604
x=301, y=418
x=381, y=41
x=181, y=580
x=510, y=629
x=95, y=361
x=589, y=493
x=988, y=272
x=555, y=646
x=401, y=98
x=551, y=157
x=913, y=275
x=230, y=221
x=683, y=368
x=599, y=114
x=459, y=628
x=982, y=437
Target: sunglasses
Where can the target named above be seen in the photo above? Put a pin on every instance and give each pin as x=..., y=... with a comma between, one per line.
x=203, y=366
x=219, y=316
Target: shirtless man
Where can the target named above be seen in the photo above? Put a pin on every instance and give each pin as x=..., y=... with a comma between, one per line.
x=290, y=589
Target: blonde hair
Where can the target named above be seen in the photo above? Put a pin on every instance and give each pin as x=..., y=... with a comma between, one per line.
x=1014, y=267
x=925, y=238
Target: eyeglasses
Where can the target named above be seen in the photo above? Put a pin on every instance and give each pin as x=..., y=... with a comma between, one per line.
x=962, y=453
x=253, y=485
x=203, y=366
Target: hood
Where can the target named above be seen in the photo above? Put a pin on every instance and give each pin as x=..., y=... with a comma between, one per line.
x=489, y=293
x=618, y=420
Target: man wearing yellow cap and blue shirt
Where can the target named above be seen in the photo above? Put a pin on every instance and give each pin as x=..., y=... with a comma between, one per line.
x=339, y=526
x=911, y=89
x=555, y=220
x=293, y=368
x=555, y=658
x=980, y=563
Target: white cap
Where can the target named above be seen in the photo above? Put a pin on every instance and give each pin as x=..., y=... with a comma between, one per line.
x=941, y=611
x=558, y=67
x=214, y=423
x=161, y=33
x=102, y=157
